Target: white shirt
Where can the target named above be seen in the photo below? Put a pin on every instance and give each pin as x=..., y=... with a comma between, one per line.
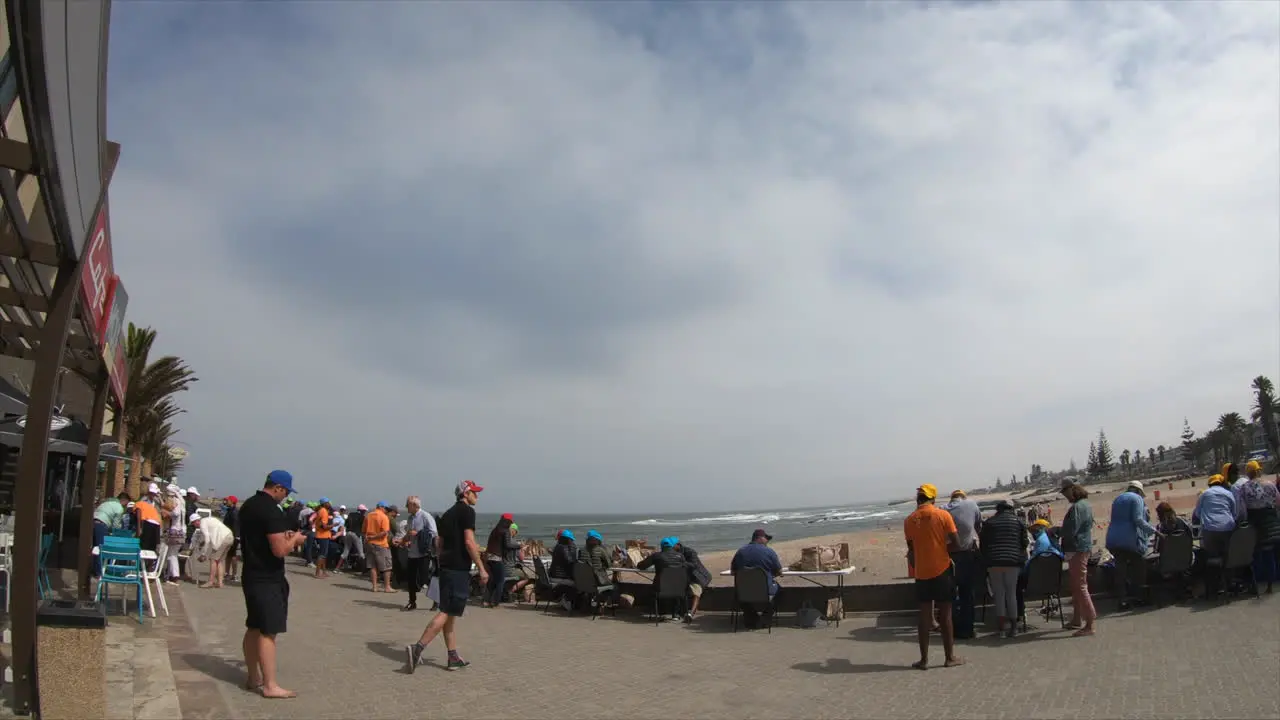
x=212, y=537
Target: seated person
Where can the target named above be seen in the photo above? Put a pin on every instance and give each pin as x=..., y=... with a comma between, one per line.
x=597, y=557
x=758, y=554
x=666, y=557
x=563, y=556
x=1042, y=543
x=699, y=577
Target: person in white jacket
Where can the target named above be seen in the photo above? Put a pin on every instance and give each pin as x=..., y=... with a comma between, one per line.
x=211, y=541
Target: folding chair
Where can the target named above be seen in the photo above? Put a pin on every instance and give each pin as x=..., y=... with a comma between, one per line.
x=751, y=589
x=1044, y=583
x=588, y=586
x=545, y=582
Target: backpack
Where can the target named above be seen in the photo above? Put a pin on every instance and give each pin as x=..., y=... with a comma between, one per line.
x=425, y=540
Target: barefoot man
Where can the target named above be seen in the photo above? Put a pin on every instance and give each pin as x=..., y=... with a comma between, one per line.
x=266, y=541
x=931, y=537
x=456, y=547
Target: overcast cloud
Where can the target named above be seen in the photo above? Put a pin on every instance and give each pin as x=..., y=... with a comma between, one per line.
x=641, y=257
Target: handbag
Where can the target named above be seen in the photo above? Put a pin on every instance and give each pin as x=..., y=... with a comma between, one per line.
x=807, y=616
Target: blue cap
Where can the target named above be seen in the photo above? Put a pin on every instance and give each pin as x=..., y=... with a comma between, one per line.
x=668, y=542
x=381, y=504
x=595, y=534
x=281, y=478
x=323, y=500
x=567, y=534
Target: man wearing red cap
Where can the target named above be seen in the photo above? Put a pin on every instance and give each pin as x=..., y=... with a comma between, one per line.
x=458, y=552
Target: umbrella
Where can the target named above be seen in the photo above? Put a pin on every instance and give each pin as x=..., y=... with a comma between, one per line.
x=65, y=436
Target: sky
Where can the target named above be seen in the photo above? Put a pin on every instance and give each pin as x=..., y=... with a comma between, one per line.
x=648, y=257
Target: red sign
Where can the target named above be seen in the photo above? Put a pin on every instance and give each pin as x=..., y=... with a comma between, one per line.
x=97, y=269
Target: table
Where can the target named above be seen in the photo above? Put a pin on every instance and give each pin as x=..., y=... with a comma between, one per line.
x=812, y=576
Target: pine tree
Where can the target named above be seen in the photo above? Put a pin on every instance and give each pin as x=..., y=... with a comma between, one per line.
x=1106, y=461
x=1188, y=442
x=1072, y=467
x=999, y=482
x=1091, y=466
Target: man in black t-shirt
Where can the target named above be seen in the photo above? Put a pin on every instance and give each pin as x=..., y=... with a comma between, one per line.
x=457, y=550
x=265, y=540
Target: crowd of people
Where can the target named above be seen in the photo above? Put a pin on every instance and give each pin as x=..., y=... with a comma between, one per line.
x=954, y=550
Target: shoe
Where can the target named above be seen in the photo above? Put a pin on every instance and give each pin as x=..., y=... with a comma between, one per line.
x=414, y=656
x=409, y=607
x=567, y=604
x=458, y=664
x=688, y=618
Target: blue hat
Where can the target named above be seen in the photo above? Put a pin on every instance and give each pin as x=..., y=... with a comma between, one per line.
x=567, y=534
x=281, y=478
x=595, y=534
x=323, y=500
x=667, y=542
x=381, y=504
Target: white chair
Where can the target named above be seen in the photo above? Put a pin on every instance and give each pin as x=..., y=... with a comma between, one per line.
x=153, y=576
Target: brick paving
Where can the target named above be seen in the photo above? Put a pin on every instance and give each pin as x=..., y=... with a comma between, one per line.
x=345, y=650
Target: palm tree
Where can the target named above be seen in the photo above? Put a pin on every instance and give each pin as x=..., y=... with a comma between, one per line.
x=1264, y=413
x=148, y=404
x=1151, y=455
x=1124, y=461
x=1231, y=427
x=1160, y=452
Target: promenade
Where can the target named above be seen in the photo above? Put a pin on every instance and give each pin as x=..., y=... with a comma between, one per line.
x=344, y=654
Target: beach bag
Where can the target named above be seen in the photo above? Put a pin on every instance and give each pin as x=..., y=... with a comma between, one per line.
x=807, y=616
x=835, y=609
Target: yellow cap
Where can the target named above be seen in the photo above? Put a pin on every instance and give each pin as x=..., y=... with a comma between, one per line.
x=1226, y=469
x=1253, y=466
x=1216, y=479
x=1042, y=522
x=958, y=493
x=928, y=491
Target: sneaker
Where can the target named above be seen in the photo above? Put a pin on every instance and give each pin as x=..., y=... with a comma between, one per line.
x=688, y=617
x=458, y=664
x=409, y=607
x=567, y=604
x=414, y=656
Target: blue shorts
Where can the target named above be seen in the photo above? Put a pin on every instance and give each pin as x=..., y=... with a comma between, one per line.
x=322, y=545
x=455, y=590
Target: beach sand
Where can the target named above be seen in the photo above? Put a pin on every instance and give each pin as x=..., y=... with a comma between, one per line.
x=880, y=554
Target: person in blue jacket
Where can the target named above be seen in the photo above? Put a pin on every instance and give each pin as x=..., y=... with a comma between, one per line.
x=1128, y=540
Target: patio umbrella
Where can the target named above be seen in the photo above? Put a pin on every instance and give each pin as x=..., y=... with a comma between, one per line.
x=65, y=436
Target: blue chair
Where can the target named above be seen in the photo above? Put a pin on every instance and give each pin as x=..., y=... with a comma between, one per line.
x=42, y=574
x=121, y=533
x=121, y=565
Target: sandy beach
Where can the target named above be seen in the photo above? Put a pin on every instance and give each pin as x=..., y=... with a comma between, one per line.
x=879, y=554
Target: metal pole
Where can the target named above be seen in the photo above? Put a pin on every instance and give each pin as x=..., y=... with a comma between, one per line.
x=88, y=489
x=28, y=496
x=65, y=486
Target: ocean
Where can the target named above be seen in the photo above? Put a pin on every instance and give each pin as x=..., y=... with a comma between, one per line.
x=706, y=532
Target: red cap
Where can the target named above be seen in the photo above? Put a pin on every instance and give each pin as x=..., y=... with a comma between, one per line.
x=507, y=516
x=465, y=487
x=233, y=499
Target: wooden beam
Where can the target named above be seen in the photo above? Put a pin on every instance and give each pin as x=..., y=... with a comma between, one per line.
x=13, y=331
x=36, y=252
x=26, y=301
x=17, y=155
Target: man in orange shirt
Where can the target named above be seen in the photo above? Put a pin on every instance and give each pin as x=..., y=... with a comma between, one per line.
x=377, y=536
x=322, y=521
x=931, y=536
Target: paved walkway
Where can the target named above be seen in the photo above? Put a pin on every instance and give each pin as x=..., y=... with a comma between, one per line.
x=345, y=650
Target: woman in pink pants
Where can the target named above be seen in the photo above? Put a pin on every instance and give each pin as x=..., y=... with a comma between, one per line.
x=1077, y=543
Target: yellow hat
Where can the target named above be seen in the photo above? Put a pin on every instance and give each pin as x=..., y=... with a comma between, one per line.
x=958, y=493
x=1253, y=466
x=928, y=491
x=1042, y=522
x=1216, y=479
x=1226, y=469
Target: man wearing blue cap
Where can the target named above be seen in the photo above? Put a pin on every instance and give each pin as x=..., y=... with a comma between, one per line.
x=666, y=557
x=266, y=540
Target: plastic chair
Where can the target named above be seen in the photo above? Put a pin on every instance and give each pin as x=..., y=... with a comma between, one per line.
x=122, y=565
x=42, y=575
x=588, y=586
x=121, y=533
x=751, y=589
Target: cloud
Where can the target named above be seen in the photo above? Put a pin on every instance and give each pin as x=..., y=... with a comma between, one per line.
x=648, y=257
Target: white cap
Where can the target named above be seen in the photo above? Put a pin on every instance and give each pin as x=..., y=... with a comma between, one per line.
x=193, y=491
x=195, y=517
x=342, y=507
x=1136, y=485
x=153, y=488
x=174, y=489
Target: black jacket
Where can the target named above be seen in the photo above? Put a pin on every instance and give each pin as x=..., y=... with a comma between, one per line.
x=1004, y=540
x=660, y=561
x=698, y=572
x=563, y=556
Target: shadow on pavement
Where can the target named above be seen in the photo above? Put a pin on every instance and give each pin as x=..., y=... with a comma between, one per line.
x=841, y=666
x=217, y=668
x=379, y=604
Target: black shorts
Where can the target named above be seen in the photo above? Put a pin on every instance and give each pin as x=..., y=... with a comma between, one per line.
x=149, y=536
x=940, y=589
x=231, y=551
x=266, y=605
x=455, y=590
